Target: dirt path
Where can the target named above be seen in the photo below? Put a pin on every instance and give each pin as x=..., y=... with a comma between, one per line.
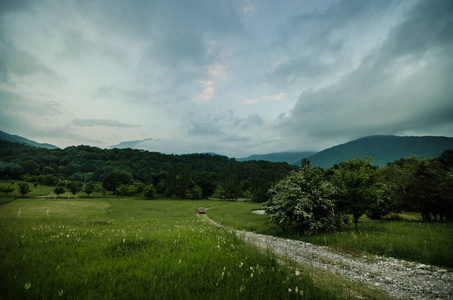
x=399, y=278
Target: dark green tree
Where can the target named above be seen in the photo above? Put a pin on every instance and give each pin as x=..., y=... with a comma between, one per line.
x=356, y=182
x=59, y=190
x=205, y=180
x=24, y=188
x=171, y=183
x=195, y=193
x=30, y=167
x=115, y=179
x=149, y=191
x=231, y=181
x=74, y=187
x=89, y=188
x=7, y=189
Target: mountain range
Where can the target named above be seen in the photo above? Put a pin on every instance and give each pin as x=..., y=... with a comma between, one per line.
x=382, y=148
x=289, y=157
x=21, y=140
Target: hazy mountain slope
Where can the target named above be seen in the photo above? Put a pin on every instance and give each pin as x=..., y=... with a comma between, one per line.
x=289, y=157
x=18, y=139
x=132, y=144
x=383, y=149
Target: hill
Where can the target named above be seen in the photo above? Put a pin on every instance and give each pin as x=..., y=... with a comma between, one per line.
x=289, y=157
x=21, y=140
x=133, y=144
x=383, y=149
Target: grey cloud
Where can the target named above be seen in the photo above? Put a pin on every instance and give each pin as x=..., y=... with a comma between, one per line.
x=17, y=62
x=172, y=31
x=138, y=96
x=16, y=104
x=8, y=6
x=404, y=85
x=224, y=125
x=76, y=46
x=314, y=44
x=429, y=26
x=98, y=122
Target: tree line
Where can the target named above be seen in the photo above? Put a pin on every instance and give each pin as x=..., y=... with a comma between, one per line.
x=131, y=172
x=312, y=200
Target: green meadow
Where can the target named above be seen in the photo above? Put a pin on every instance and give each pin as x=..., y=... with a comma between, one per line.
x=134, y=249
x=124, y=247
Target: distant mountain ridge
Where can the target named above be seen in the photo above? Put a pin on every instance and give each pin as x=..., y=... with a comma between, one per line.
x=18, y=139
x=289, y=157
x=383, y=149
x=132, y=144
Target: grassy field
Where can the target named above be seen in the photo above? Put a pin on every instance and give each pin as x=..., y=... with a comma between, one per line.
x=134, y=249
x=413, y=240
x=123, y=247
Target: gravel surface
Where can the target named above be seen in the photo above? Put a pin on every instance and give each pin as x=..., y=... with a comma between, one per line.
x=399, y=278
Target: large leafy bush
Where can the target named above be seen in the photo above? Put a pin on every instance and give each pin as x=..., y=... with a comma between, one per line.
x=304, y=201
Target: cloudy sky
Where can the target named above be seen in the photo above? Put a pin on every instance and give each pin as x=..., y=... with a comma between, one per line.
x=234, y=77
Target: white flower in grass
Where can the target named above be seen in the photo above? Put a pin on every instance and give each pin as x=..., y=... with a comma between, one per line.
x=296, y=289
x=290, y=290
x=297, y=273
x=27, y=285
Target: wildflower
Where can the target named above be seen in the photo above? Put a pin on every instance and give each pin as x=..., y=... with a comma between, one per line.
x=296, y=290
x=241, y=264
x=27, y=285
x=297, y=273
x=290, y=290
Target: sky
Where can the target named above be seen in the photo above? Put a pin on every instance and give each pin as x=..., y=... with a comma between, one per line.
x=236, y=77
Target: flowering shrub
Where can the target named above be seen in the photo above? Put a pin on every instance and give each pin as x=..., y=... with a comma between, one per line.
x=303, y=200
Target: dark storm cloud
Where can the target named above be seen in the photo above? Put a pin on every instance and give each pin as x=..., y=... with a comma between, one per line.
x=171, y=31
x=403, y=85
x=98, y=122
x=315, y=42
x=9, y=6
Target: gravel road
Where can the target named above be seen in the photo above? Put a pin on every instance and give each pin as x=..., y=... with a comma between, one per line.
x=399, y=278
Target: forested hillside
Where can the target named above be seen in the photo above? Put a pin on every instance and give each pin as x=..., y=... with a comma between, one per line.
x=172, y=175
x=383, y=149
x=18, y=139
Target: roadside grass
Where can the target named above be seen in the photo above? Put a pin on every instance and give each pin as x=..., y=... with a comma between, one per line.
x=238, y=215
x=423, y=242
x=134, y=249
x=427, y=243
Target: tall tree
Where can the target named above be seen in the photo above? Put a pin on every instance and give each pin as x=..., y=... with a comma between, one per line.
x=356, y=182
x=115, y=179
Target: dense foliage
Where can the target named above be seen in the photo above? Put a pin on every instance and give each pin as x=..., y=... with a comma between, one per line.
x=311, y=200
x=306, y=200
x=126, y=171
